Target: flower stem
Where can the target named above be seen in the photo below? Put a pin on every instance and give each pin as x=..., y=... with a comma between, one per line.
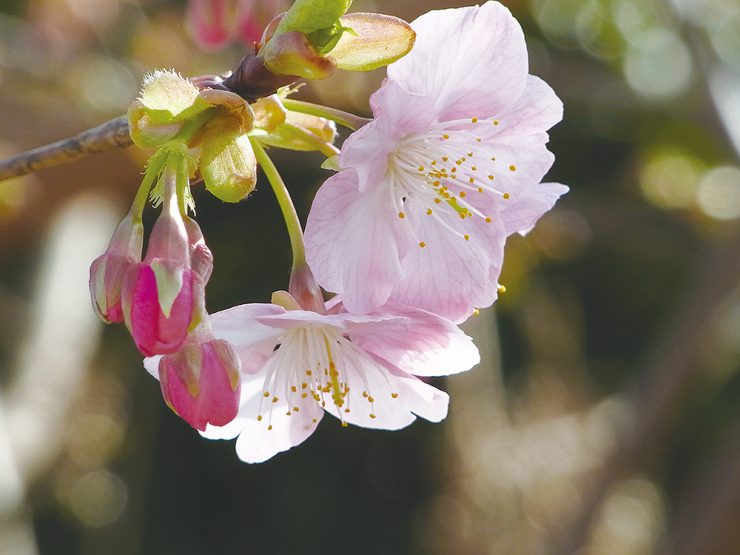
x=351, y=121
x=286, y=204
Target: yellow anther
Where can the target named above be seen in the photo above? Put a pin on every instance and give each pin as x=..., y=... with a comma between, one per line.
x=296, y=409
x=293, y=388
x=470, y=153
x=437, y=200
x=429, y=211
x=304, y=395
x=304, y=385
x=474, y=168
x=372, y=415
x=506, y=196
x=269, y=427
x=371, y=399
x=364, y=393
x=444, y=158
x=445, y=136
x=344, y=424
x=493, y=158
x=476, y=312
x=421, y=168
x=474, y=120
x=401, y=215
x=471, y=180
x=467, y=237
x=394, y=395
x=266, y=394
x=309, y=373
x=275, y=399
x=458, y=162
x=346, y=410
x=462, y=194
x=453, y=170
x=501, y=288
x=478, y=139
x=259, y=418
x=490, y=177
x=422, y=244
x=496, y=122
x=314, y=420
x=512, y=168
x=480, y=189
x=434, y=163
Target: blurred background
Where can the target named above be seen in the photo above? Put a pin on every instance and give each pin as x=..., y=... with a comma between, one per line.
x=604, y=418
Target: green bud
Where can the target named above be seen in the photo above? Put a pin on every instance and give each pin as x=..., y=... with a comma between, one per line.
x=227, y=162
x=308, y=16
x=291, y=53
x=375, y=40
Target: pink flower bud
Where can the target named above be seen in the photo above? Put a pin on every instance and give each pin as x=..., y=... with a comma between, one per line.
x=163, y=296
x=107, y=272
x=200, y=382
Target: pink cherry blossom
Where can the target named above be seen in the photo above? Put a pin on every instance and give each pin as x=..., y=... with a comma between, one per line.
x=200, y=382
x=449, y=167
x=298, y=364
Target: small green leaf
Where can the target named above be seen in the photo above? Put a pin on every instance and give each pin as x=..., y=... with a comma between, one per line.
x=308, y=16
x=376, y=40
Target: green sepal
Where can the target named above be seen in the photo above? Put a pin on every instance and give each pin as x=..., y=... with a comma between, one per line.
x=376, y=40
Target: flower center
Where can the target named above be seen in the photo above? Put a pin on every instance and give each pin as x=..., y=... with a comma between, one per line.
x=446, y=168
x=316, y=365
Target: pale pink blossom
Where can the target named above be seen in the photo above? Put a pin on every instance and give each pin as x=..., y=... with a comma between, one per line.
x=449, y=167
x=298, y=364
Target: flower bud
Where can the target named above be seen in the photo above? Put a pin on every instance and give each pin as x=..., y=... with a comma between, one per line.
x=161, y=294
x=200, y=382
x=291, y=53
x=107, y=272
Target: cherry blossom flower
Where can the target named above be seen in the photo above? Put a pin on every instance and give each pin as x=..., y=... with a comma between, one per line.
x=297, y=364
x=449, y=167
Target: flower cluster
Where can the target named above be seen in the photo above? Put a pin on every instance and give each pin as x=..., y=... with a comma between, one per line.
x=408, y=235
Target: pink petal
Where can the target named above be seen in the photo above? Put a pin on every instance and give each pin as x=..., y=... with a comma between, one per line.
x=253, y=341
x=417, y=341
x=152, y=331
x=450, y=276
x=471, y=61
x=210, y=22
x=521, y=215
x=536, y=110
x=354, y=241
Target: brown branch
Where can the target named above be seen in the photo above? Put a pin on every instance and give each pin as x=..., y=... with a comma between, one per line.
x=106, y=136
